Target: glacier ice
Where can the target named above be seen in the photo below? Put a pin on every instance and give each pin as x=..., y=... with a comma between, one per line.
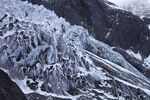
x=39, y=47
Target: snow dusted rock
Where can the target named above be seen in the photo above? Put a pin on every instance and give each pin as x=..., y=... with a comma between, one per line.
x=138, y=7
x=46, y=55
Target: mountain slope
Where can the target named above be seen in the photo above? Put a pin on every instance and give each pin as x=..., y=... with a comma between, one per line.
x=104, y=21
x=46, y=55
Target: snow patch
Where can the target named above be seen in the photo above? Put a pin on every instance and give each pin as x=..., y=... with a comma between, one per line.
x=136, y=55
x=147, y=61
x=23, y=86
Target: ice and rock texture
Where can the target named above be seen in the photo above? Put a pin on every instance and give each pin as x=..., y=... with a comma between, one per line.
x=115, y=27
x=59, y=60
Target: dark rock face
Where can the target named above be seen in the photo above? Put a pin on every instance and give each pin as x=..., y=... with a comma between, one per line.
x=8, y=89
x=146, y=20
x=116, y=27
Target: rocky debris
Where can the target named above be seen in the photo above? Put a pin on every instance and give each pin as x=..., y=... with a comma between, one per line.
x=46, y=87
x=36, y=96
x=9, y=89
x=33, y=85
x=104, y=21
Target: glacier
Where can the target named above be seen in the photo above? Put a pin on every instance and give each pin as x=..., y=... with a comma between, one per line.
x=46, y=55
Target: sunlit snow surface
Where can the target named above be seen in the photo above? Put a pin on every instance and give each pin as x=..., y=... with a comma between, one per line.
x=58, y=51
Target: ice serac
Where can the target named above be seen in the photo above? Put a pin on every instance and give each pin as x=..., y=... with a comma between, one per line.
x=8, y=89
x=49, y=58
x=104, y=21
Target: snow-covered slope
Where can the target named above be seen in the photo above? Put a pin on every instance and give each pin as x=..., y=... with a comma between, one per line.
x=138, y=7
x=45, y=54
